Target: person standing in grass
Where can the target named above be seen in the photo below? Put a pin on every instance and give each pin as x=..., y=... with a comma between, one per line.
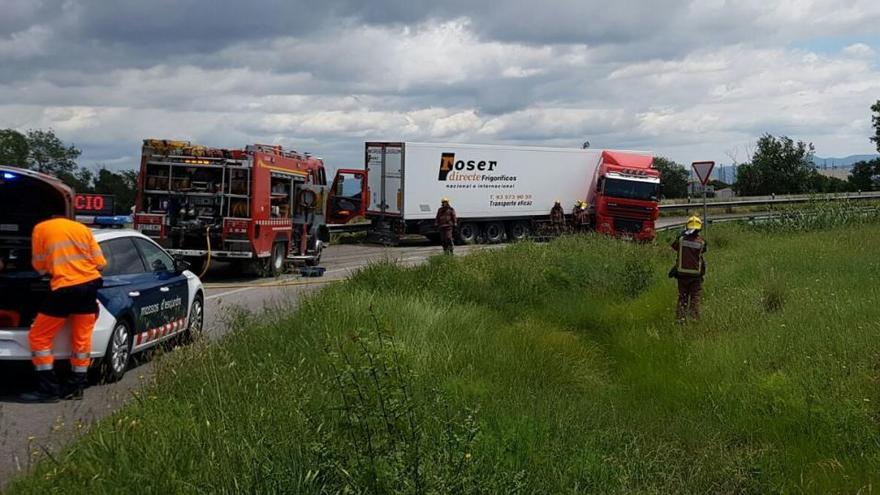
x=557, y=218
x=446, y=221
x=690, y=269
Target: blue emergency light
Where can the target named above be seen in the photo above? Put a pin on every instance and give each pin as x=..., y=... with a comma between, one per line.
x=8, y=175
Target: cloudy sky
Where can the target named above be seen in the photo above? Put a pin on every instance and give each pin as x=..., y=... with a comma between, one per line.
x=691, y=80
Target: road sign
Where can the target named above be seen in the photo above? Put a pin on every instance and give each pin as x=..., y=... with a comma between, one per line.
x=703, y=171
x=94, y=204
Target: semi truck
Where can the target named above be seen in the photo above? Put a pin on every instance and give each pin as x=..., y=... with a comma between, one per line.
x=499, y=192
x=260, y=206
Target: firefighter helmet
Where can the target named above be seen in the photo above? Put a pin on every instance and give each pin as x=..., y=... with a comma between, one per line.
x=694, y=223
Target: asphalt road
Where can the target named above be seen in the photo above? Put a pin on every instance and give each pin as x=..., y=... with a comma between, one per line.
x=29, y=430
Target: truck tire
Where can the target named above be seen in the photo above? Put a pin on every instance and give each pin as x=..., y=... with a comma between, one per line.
x=468, y=233
x=518, y=231
x=315, y=260
x=276, y=261
x=494, y=232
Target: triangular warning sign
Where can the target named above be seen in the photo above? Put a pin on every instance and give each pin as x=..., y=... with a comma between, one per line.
x=703, y=171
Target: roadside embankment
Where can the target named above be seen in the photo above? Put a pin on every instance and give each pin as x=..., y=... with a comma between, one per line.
x=536, y=368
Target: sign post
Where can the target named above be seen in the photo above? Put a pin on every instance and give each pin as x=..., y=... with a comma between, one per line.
x=703, y=170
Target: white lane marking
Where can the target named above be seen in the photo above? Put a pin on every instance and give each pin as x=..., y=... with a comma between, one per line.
x=227, y=293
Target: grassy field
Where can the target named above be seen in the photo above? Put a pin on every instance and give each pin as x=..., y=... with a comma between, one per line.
x=535, y=369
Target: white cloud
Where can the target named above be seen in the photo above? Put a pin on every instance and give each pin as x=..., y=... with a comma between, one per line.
x=451, y=80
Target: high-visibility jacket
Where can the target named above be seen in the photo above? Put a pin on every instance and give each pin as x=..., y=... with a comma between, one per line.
x=690, y=256
x=67, y=251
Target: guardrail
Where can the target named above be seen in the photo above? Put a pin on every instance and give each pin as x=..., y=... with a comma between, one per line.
x=752, y=217
x=753, y=201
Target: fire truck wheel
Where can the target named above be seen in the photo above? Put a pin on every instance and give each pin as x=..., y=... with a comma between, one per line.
x=276, y=261
x=468, y=233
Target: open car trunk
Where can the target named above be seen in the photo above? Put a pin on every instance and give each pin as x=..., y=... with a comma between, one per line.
x=26, y=199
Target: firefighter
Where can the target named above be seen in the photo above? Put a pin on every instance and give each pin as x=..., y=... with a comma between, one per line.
x=68, y=252
x=557, y=218
x=579, y=216
x=689, y=269
x=446, y=221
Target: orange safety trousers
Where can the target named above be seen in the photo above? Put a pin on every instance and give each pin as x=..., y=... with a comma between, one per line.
x=44, y=330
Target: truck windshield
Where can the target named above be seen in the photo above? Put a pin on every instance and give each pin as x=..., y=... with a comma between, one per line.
x=631, y=189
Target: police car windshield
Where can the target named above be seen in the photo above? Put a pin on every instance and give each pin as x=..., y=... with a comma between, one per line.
x=631, y=189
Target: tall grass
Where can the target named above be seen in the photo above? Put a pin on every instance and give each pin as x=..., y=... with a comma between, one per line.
x=534, y=369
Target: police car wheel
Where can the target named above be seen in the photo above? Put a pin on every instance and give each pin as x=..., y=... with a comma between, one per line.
x=118, y=352
x=196, y=320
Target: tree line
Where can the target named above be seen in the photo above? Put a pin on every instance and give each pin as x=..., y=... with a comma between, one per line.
x=781, y=165
x=43, y=151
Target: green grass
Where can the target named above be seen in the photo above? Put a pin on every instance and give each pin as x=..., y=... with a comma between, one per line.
x=541, y=368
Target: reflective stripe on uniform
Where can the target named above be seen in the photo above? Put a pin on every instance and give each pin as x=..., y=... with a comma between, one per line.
x=81, y=355
x=79, y=369
x=682, y=244
x=43, y=367
x=41, y=353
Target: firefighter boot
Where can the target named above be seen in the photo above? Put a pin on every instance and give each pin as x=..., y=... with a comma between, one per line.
x=73, y=389
x=46, y=391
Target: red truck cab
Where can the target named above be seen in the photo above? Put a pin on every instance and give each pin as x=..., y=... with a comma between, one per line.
x=627, y=195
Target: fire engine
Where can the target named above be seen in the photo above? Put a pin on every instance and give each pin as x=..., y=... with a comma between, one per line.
x=260, y=206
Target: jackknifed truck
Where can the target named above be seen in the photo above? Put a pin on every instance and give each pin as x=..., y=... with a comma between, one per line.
x=500, y=193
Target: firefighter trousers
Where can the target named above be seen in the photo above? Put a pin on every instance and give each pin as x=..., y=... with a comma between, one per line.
x=446, y=239
x=77, y=304
x=690, y=289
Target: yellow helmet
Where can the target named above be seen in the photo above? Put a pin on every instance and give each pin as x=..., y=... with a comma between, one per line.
x=444, y=200
x=694, y=223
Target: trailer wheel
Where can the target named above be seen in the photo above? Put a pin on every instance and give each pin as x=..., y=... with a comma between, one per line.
x=276, y=261
x=494, y=232
x=518, y=231
x=468, y=233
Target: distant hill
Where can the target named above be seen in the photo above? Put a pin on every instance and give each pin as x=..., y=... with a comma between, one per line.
x=845, y=162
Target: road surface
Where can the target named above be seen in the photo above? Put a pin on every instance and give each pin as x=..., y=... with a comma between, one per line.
x=29, y=428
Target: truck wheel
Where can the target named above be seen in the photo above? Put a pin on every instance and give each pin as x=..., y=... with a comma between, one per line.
x=518, y=231
x=494, y=232
x=316, y=260
x=276, y=261
x=118, y=353
x=468, y=233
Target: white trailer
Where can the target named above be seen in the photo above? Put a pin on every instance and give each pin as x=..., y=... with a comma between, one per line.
x=497, y=191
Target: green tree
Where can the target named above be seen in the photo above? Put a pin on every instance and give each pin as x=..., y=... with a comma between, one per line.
x=865, y=175
x=48, y=154
x=13, y=148
x=120, y=184
x=779, y=165
x=673, y=177
x=875, y=121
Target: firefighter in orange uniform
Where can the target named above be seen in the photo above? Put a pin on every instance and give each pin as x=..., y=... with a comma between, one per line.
x=689, y=269
x=68, y=252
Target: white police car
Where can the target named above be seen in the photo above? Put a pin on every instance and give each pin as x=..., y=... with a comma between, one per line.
x=148, y=297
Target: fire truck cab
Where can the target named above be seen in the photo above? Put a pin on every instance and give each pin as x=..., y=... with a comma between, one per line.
x=261, y=205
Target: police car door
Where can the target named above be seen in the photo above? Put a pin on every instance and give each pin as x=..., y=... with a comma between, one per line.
x=164, y=304
x=125, y=279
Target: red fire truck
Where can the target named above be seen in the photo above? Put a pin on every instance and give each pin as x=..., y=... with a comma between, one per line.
x=261, y=206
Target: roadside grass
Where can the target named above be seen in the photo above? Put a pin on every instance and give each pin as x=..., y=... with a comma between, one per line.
x=539, y=368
